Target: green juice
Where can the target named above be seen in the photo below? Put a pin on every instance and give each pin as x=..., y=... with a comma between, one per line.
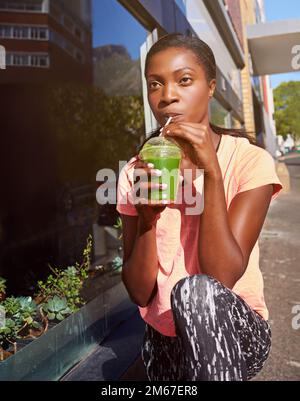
x=166, y=157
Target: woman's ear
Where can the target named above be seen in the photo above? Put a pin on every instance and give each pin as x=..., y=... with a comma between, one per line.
x=212, y=87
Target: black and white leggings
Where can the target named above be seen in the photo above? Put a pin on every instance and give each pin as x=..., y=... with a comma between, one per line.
x=219, y=337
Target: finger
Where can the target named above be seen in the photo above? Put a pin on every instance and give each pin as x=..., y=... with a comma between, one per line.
x=145, y=186
x=139, y=202
x=183, y=134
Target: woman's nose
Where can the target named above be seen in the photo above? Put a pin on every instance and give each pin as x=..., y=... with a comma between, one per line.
x=169, y=94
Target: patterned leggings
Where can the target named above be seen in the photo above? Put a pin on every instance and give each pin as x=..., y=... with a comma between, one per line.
x=219, y=337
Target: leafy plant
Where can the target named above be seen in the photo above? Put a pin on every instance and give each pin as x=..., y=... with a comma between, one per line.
x=20, y=318
x=28, y=311
x=23, y=311
x=287, y=104
x=56, y=308
x=67, y=283
x=8, y=335
x=58, y=297
x=117, y=264
x=2, y=286
x=119, y=226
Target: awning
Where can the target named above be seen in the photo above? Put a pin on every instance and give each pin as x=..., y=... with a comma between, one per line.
x=271, y=45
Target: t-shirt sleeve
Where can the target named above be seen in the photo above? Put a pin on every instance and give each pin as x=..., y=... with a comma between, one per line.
x=257, y=168
x=124, y=187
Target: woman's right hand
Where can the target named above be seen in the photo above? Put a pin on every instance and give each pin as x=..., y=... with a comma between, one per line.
x=149, y=211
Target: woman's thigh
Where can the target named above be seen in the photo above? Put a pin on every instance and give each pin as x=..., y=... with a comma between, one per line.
x=162, y=356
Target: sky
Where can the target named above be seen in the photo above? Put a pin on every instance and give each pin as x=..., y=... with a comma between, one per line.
x=109, y=16
x=280, y=10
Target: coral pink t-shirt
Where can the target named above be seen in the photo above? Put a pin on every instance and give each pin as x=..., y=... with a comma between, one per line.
x=244, y=167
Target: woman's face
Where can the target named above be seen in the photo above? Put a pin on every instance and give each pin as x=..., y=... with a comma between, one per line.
x=177, y=86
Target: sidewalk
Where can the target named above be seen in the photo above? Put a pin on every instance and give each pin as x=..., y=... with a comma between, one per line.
x=279, y=256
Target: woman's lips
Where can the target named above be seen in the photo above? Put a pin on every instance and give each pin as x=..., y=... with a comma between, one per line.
x=175, y=117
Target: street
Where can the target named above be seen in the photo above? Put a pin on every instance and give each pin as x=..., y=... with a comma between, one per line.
x=280, y=253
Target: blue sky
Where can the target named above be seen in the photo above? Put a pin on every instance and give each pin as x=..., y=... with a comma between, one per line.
x=109, y=16
x=280, y=10
x=113, y=24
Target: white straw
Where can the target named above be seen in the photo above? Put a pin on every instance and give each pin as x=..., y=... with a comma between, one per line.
x=167, y=123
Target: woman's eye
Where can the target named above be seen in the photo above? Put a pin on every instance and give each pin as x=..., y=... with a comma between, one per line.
x=153, y=85
x=186, y=80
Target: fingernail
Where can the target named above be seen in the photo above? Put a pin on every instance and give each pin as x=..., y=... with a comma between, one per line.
x=158, y=173
x=164, y=186
x=150, y=165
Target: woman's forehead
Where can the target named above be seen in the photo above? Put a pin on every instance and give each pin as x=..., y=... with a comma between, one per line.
x=172, y=59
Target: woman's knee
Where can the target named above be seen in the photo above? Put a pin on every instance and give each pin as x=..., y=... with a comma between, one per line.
x=199, y=288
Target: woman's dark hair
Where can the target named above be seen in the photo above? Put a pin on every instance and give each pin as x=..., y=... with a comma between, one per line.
x=206, y=59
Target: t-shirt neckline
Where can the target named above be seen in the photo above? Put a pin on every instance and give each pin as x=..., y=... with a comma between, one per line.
x=219, y=145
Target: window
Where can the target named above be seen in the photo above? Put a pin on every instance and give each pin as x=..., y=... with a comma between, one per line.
x=5, y=31
x=78, y=82
x=23, y=32
x=27, y=60
x=43, y=33
x=11, y=6
x=20, y=59
x=20, y=32
x=219, y=115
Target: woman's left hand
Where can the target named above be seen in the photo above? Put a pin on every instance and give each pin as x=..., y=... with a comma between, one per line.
x=196, y=143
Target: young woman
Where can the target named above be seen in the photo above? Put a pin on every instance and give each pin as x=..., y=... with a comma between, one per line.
x=196, y=278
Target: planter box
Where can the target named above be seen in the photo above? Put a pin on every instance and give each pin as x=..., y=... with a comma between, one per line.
x=50, y=356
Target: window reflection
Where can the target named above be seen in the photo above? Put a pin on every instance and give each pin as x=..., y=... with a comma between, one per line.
x=71, y=104
x=219, y=115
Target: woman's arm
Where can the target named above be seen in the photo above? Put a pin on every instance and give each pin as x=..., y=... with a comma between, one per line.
x=140, y=263
x=226, y=239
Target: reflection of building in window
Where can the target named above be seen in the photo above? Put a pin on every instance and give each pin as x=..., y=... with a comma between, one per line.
x=18, y=6
x=219, y=115
x=24, y=32
x=27, y=60
x=55, y=35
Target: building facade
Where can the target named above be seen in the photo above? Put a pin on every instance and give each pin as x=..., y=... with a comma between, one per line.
x=46, y=40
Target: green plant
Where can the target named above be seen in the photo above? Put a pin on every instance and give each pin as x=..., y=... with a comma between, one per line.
x=57, y=297
x=20, y=315
x=119, y=226
x=28, y=311
x=2, y=289
x=23, y=311
x=56, y=308
x=117, y=264
x=8, y=334
x=67, y=283
x=2, y=286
